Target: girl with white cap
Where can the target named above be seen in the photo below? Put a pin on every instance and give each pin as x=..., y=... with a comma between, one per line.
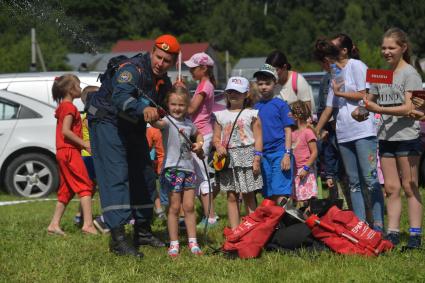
x=237, y=137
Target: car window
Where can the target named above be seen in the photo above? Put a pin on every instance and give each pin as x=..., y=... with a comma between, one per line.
x=27, y=113
x=8, y=111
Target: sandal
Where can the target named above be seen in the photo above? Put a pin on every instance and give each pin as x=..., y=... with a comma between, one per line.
x=173, y=251
x=195, y=249
x=57, y=232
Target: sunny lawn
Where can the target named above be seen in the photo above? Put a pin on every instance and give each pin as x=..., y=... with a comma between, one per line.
x=29, y=254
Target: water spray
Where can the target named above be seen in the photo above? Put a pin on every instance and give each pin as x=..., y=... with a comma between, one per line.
x=54, y=16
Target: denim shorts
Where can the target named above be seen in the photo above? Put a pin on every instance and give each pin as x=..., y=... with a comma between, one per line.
x=400, y=148
x=174, y=180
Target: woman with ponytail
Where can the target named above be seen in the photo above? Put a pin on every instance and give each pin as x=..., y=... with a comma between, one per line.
x=357, y=140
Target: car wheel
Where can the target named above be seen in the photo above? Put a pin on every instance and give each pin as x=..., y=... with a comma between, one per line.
x=32, y=175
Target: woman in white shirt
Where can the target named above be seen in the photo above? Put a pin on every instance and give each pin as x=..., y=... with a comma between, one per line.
x=357, y=140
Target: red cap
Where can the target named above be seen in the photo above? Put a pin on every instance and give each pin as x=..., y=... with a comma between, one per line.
x=168, y=43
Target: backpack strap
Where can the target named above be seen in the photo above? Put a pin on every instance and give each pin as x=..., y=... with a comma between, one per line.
x=295, y=82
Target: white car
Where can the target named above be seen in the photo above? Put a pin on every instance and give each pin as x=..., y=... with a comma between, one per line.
x=27, y=146
x=38, y=85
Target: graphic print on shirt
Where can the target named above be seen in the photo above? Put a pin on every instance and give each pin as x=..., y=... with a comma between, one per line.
x=185, y=152
x=238, y=136
x=388, y=94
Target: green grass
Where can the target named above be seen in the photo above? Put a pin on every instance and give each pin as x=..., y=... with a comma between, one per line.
x=28, y=254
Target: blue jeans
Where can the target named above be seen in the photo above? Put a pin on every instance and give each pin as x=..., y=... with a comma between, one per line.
x=359, y=158
x=330, y=157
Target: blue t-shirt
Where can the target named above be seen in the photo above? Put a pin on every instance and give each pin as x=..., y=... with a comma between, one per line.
x=275, y=116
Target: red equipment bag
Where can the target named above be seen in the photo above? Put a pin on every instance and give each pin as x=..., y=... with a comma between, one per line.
x=344, y=233
x=252, y=234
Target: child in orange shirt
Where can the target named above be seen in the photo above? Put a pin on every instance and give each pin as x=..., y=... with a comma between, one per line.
x=156, y=147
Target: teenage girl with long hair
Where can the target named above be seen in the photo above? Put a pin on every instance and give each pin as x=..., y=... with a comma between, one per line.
x=399, y=143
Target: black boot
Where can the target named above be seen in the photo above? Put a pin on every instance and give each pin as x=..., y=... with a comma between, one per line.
x=143, y=235
x=119, y=244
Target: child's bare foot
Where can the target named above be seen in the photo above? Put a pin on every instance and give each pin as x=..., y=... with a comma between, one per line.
x=51, y=230
x=89, y=230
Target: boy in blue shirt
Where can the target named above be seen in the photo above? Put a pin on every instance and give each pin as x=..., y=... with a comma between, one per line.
x=276, y=120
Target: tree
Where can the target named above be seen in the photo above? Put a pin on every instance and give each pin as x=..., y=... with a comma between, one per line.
x=353, y=23
x=15, y=40
x=228, y=28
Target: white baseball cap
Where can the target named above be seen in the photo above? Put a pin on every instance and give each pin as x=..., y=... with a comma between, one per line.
x=199, y=59
x=239, y=84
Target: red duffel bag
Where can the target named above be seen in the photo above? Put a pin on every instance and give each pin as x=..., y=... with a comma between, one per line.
x=344, y=233
x=249, y=238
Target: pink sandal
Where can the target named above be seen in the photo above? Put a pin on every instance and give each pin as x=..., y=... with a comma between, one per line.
x=195, y=249
x=173, y=251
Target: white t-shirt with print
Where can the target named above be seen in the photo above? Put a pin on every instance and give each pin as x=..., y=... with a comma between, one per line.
x=242, y=134
x=348, y=129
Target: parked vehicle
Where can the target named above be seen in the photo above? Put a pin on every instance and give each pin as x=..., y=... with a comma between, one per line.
x=314, y=79
x=27, y=146
x=38, y=85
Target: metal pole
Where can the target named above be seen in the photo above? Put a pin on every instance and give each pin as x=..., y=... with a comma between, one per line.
x=40, y=56
x=227, y=65
x=33, y=66
x=179, y=73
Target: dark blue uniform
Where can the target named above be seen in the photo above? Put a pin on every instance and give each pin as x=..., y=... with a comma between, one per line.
x=124, y=170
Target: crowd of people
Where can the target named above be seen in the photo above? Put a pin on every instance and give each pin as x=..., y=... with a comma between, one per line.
x=266, y=140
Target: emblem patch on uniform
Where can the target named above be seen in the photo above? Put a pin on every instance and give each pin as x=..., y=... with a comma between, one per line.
x=125, y=77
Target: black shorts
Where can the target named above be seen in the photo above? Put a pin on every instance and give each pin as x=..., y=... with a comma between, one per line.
x=400, y=148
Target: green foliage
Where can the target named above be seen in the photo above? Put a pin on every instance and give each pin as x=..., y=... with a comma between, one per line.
x=255, y=47
x=371, y=56
x=353, y=23
x=15, y=39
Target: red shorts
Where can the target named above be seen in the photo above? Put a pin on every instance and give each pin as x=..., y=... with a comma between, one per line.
x=74, y=178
